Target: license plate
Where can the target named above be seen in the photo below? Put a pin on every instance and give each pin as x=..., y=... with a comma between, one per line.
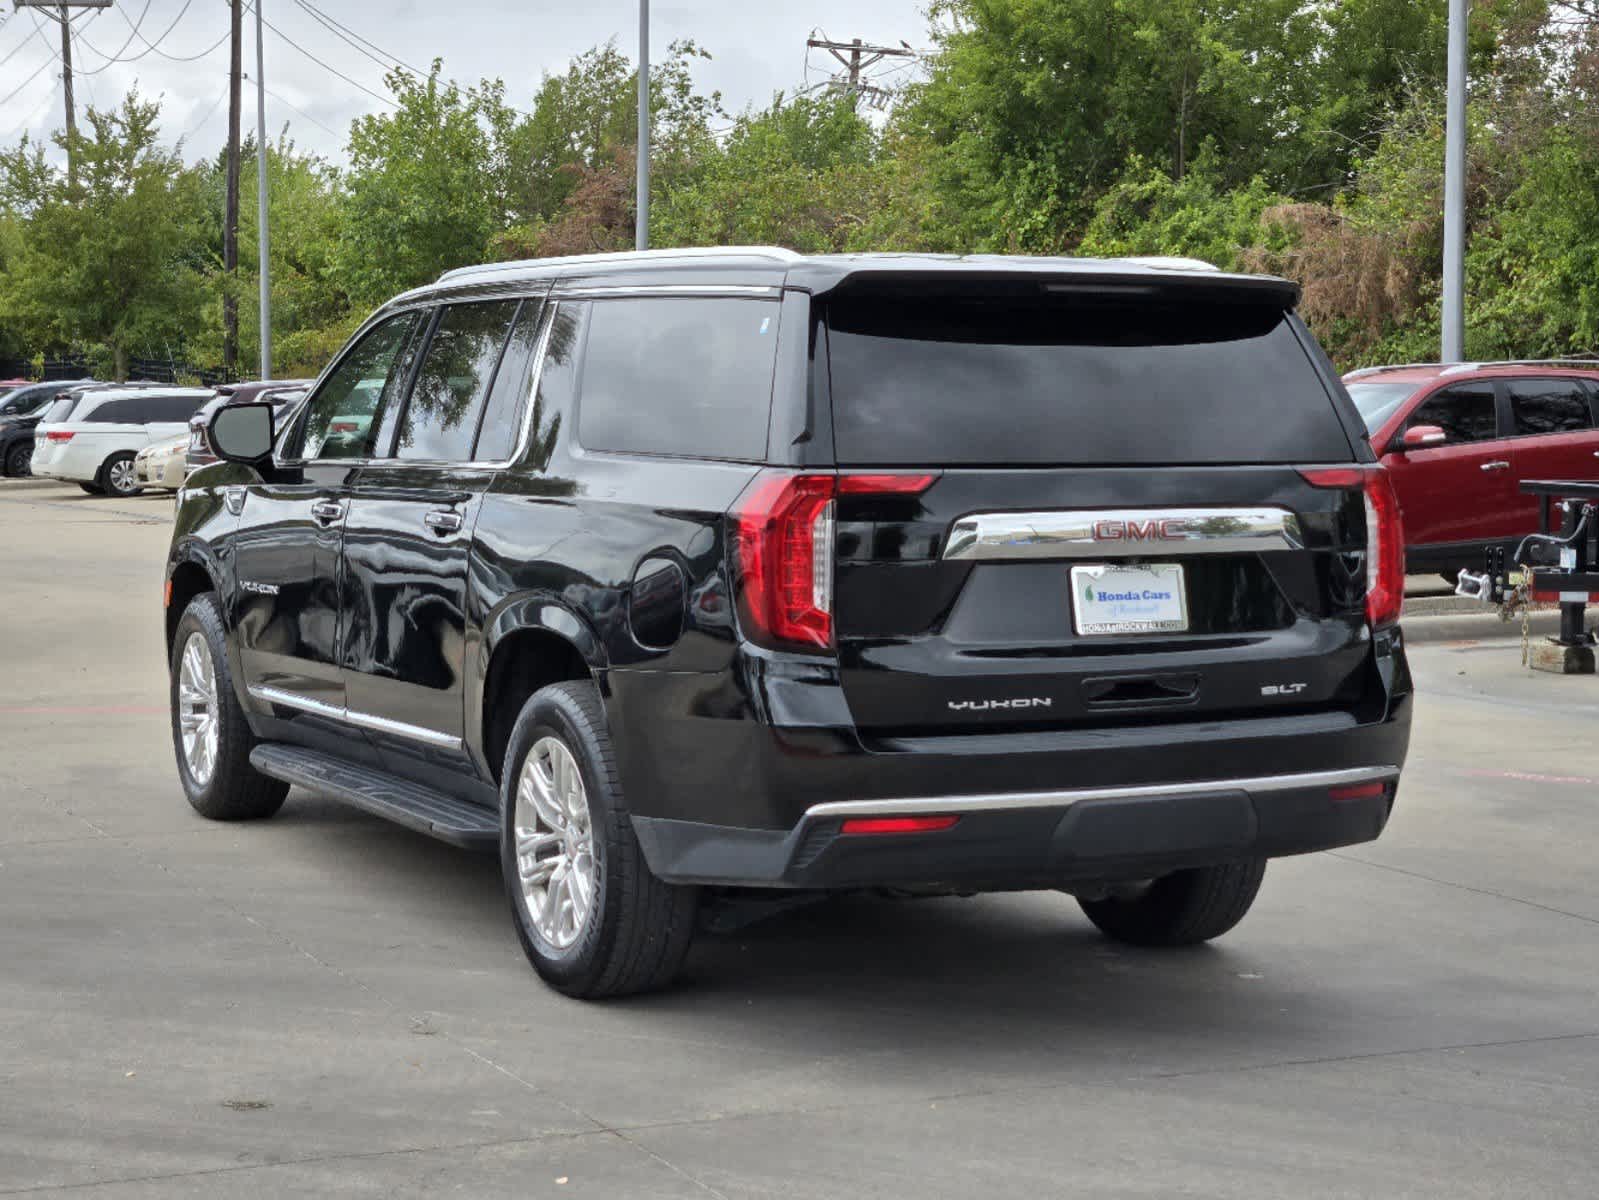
x=1129, y=599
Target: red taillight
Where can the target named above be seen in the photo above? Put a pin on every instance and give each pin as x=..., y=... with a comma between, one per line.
x=1358, y=791
x=1385, y=536
x=898, y=824
x=343, y=427
x=783, y=527
x=58, y=435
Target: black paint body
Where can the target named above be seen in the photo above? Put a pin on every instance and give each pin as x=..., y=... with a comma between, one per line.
x=622, y=560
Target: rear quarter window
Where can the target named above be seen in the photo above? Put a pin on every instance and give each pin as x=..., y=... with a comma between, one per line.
x=678, y=376
x=1085, y=381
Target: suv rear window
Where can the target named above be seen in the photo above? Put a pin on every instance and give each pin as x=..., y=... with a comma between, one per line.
x=60, y=410
x=985, y=380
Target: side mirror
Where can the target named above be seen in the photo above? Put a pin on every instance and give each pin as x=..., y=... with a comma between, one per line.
x=242, y=433
x=1418, y=437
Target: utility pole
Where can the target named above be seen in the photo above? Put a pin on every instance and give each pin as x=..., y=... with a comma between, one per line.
x=1454, y=279
x=230, y=219
x=641, y=232
x=263, y=239
x=60, y=11
x=862, y=56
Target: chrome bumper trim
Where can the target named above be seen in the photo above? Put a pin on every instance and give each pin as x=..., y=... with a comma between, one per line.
x=1065, y=798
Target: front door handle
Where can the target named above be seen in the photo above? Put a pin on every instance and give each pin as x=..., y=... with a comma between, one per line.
x=442, y=520
x=327, y=512
x=1497, y=465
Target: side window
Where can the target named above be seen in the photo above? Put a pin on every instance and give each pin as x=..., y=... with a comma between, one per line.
x=1465, y=413
x=441, y=420
x=690, y=377
x=502, y=417
x=341, y=420
x=1549, y=406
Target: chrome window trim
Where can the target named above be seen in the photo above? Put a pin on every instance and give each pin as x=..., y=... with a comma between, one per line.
x=580, y=291
x=1065, y=798
x=321, y=708
x=547, y=325
x=1070, y=534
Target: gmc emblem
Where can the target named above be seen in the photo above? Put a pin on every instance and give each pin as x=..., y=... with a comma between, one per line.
x=1155, y=529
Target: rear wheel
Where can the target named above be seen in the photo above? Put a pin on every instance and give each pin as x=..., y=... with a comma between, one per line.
x=18, y=458
x=1183, y=908
x=117, y=476
x=591, y=917
x=209, y=731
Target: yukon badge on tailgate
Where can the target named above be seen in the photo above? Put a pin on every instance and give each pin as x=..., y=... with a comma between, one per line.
x=987, y=705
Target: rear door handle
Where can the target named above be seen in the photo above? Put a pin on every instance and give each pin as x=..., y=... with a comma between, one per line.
x=442, y=520
x=1496, y=465
x=327, y=511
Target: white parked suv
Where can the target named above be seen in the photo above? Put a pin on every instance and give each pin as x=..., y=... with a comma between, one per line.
x=91, y=438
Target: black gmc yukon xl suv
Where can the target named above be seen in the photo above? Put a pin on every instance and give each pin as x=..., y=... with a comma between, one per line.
x=679, y=574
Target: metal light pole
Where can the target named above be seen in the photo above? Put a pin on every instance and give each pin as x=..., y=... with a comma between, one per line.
x=263, y=239
x=1454, y=281
x=641, y=236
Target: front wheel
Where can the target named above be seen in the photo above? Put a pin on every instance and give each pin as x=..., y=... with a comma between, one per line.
x=591, y=917
x=210, y=734
x=118, y=477
x=1183, y=908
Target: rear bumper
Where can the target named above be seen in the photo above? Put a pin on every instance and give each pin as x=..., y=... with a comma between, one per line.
x=1035, y=839
x=746, y=778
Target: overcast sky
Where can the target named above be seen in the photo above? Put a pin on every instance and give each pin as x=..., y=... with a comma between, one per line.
x=758, y=47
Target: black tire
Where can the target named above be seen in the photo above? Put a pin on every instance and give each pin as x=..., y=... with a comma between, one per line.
x=94, y=489
x=1450, y=577
x=1183, y=908
x=638, y=928
x=19, y=458
x=109, y=470
x=234, y=790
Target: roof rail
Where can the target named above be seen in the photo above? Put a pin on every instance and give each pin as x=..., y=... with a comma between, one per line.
x=775, y=253
x=1457, y=368
x=1389, y=367
x=1169, y=262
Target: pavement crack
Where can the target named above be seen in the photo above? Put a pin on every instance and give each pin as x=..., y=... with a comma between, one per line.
x=1464, y=887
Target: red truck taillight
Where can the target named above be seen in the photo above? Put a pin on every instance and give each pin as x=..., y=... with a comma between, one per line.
x=1385, y=536
x=783, y=527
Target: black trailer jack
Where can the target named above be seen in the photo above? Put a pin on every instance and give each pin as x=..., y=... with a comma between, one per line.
x=1549, y=567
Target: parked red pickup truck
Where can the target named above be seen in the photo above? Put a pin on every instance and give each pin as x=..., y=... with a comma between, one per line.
x=1459, y=439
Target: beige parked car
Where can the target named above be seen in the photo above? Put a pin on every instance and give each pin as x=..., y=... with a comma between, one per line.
x=162, y=464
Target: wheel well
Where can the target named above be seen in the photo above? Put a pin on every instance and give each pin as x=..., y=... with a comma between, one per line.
x=189, y=579
x=523, y=663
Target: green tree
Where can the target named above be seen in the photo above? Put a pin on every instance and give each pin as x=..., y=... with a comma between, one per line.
x=427, y=185
x=113, y=264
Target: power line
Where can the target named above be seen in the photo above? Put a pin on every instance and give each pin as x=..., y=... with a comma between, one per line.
x=325, y=66
x=116, y=58
x=155, y=46
x=382, y=57
x=300, y=112
x=12, y=95
x=38, y=31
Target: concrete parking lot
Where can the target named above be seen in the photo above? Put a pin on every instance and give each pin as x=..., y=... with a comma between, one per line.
x=325, y=1003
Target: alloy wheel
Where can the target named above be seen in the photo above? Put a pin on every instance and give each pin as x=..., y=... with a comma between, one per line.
x=121, y=477
x=197, y=708
x=554, y=843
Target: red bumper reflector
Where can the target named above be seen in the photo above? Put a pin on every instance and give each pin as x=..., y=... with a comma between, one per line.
x=898, y=824
x=1358, y=791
